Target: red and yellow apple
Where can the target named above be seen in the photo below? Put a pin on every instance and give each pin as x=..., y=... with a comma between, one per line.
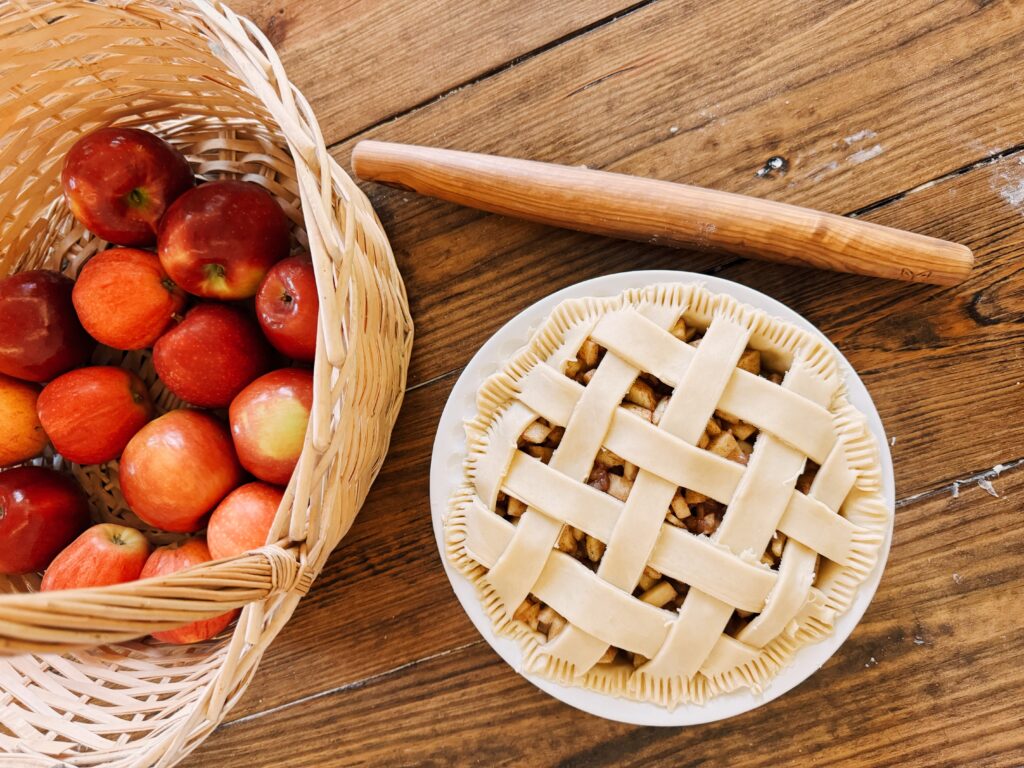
x=40, y=336
x=41, y=511
x=288, y=307
x=178, y=557
x=119, y=181
x=211, y=355
x=177, y=468
x=268, y=423
x=21, y=435
x=219, y=239
x=242, y=521
x=90, y=414
x=125, y=299
x=105, y=554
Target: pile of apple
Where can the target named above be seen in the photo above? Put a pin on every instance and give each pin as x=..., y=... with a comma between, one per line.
x=221, y=247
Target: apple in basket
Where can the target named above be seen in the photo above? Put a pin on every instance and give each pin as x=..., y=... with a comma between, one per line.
x=219, y=239
x=41, y=511
x=268, y=423
x=91, y=413
x=242, y=521
x=40, y=336
x=173, y=558
x=21, y=435
x=177, y=468
x=288, y=307
x=211, y=355
x=125, y=299
x=105, y=554
x=118, y=183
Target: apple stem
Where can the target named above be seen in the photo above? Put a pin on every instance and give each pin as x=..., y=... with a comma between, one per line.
x=136, y=197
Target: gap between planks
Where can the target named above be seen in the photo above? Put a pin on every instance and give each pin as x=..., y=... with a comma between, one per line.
x=355, y=684
x=497, y=70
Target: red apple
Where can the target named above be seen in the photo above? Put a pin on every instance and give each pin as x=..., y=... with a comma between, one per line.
x=119, y=181
x=242, y=521
x=105, y=554
x=288, y=307
x=219, y=239
x=21, y=435
x=90, y=414
x=125, y=299
x=171, y=559
x=41, y=511
x=177, y=468
x=40, y=336
x=211, y=355
x=268, y=423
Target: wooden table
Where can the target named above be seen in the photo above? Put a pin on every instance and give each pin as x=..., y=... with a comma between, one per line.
x=909, y=114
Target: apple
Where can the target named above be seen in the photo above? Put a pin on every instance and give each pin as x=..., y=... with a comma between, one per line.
x=119, y=181
x=40, y=336
x=105, y=554
x=219, y=239
x=41, y=511
x=90, y=414
x=21, y=435
x=242, y=521
x=211, y=355
x=288, y=307
x=268, y=423
x=177, y=468
x=178, y=557
x=124, y=299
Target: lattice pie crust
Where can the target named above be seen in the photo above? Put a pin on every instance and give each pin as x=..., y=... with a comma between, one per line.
x=607, y=450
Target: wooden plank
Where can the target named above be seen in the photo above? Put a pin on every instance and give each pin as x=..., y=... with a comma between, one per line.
x=862, y=99
x=930, y=677
x=359, y=62
x=943, y=432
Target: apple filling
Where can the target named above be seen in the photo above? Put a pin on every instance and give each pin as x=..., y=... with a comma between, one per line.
x=647, y=397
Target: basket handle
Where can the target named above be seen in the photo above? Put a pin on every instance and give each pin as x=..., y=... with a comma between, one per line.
x=60, y=621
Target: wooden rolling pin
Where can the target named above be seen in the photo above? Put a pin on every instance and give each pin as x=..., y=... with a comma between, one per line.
x=663, y=213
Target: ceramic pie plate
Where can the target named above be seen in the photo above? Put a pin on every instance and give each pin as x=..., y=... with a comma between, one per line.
x=446, y=475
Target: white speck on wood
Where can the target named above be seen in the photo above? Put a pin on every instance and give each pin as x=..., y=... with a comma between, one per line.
x=825, y=170
x=958, y=579
x=865, y=154
x=859, y=136
x=892, y=440
x=918, y=640
x=956, y=490
x=986, y=486
x=1013, y=193
x=1009, y=183
x=674, y=129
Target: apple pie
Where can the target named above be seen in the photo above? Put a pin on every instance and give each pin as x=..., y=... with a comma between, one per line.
x=666, y=495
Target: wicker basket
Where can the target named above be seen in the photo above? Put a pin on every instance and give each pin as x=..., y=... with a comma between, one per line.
x=77, y=685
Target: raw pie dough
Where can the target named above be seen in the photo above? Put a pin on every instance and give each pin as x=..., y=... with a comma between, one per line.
x=831, y=533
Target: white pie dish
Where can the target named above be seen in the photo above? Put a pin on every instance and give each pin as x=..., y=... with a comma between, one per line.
x=446, y=474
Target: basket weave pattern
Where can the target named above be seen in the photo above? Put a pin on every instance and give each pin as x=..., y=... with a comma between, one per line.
x=76, y=683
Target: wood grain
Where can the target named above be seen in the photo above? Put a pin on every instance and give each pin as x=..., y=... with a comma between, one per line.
x=902, y=344
x=662, y=212
x=863, y=101
x=362, y=61
x=930, y=677
x=821, y=85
